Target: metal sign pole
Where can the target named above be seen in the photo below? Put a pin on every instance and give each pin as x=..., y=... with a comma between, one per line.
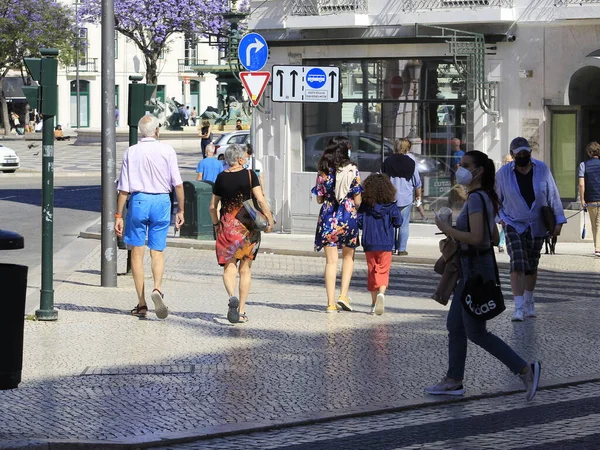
x=109, y=151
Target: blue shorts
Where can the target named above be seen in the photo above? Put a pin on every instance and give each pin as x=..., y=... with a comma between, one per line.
x=151, y=214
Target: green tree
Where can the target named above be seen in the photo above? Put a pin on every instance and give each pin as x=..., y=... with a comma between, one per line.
x=150, y=24
x=25, y=27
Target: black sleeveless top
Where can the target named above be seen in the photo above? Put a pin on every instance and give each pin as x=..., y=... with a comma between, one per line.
x=204, y=130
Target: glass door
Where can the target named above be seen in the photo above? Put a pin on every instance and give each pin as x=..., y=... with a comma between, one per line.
x=563, y=152
x=194, y=94
x=84, y=104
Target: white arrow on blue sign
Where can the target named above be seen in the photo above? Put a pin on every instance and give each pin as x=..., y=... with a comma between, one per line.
x=253, y=52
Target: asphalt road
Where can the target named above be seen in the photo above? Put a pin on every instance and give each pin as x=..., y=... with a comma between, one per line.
x=77, y=204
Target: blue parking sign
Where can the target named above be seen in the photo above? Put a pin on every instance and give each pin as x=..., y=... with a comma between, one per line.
x=253, y=52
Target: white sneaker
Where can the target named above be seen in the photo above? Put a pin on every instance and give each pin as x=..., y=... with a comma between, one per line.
x=531, y=379
x=372, y=310
x=447, y=386
x=518, y=316
x=530, y=310
x=344, y=303
x=379, y=304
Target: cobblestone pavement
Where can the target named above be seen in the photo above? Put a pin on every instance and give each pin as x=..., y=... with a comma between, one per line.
x=86, y=159
x=98, y=374
x=565, y=418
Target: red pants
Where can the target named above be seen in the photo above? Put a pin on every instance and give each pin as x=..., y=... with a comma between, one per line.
x=378, y=264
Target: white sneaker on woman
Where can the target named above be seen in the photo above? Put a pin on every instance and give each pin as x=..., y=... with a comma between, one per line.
x=447, y=386
x=531, y=379
x=344, y=303
x=379, y=304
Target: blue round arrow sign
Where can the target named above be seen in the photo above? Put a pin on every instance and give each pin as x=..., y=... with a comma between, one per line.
x=253, y=52
x=316, y=78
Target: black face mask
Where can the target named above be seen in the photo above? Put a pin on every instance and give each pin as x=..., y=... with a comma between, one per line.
x=522, y=161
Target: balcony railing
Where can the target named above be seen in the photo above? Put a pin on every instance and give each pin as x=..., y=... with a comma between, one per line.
x=420, y=5
x=323, y=7
x=85, y=65
x=185, y=65
x=576, y=2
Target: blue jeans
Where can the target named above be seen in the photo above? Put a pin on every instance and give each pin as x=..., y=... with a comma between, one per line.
x=402, y=232
x=502, y=242
x=462, y=326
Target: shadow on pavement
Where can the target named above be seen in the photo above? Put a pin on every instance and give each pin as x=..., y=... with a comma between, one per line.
x=84, y=198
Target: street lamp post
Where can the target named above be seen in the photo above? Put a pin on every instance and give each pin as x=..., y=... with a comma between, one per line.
x=77, y=42
x=44, y=71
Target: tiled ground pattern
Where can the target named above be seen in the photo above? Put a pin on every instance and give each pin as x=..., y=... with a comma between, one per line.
x=195, y=370
x=73, y=159
x=501, y=423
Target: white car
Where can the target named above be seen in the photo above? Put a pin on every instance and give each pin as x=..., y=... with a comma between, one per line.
x=235, y=137
x=9, y=161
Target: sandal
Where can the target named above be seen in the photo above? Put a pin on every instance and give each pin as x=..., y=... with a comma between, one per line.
x=160, y=309
x=139, y=311
x=243, y=318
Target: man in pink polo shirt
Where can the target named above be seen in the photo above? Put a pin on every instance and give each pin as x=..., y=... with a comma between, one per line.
x=148, y=173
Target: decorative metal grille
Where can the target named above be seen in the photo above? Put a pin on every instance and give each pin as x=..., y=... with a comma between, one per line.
x=468, y=50
x=416, y=5
x=186, y=65
x=85, y=65
x=323, y=7
x=575, y=2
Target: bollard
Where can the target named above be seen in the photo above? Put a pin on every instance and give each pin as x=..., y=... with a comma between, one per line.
x=12, y=320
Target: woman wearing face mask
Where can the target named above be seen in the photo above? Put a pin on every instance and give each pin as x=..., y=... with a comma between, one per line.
x=476, y=235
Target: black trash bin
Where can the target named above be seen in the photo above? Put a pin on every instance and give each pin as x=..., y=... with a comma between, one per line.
x=197, y=222
x=14, y=279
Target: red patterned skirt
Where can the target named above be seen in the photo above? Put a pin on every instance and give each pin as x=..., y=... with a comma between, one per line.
x=234, y=241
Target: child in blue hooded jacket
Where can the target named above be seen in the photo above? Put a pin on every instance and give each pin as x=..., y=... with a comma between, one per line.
x=378, y=216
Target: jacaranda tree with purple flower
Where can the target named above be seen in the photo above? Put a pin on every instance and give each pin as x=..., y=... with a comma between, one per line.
x=25, y=27
x=150, y=24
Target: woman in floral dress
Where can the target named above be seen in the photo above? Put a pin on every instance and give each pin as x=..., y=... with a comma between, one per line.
x=338, y=189
x=237, y=239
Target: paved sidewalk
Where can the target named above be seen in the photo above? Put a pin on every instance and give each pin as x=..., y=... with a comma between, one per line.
x=423, y=245
x=85, y=160
x=100, y=377
x=423, y=248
